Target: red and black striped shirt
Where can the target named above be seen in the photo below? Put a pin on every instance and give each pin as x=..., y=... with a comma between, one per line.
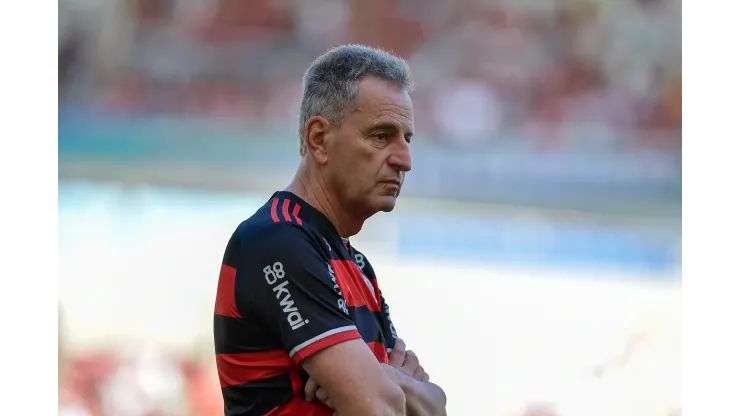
x=290, y=287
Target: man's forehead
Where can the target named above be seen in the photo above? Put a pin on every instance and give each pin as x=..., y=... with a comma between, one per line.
x=378, y=99
x=392, y=120
x=374, y=91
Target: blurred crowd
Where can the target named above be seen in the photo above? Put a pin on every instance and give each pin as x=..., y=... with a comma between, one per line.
x=140, y=381
x=641, y=379
x=540, y=74
x=148, y=383
x=151, y=382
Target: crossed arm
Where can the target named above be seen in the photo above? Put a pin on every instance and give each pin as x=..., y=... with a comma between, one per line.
x=287, y=282
x=421, y=397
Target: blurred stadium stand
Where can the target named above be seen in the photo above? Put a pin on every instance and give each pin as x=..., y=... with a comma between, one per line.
x=548, y=152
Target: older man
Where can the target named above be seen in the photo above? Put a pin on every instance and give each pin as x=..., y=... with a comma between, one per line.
x=301, y=326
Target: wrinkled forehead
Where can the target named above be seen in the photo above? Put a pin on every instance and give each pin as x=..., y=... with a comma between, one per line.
x=382, y=101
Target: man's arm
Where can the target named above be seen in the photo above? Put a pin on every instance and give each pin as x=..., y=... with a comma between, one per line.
x=284, y=280
x=421, y=396
x=350, y=374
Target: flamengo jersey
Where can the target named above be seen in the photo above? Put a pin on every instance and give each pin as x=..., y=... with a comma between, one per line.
x=290, y=287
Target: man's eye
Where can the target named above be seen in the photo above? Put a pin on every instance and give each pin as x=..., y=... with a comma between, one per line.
x=381, y=136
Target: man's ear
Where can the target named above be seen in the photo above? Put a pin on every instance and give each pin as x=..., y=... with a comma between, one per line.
x=317, y=130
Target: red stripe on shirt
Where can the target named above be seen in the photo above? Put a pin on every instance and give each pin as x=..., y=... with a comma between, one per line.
x=354, y=288
x=296, y=383
x=296, y=210
x=286, y=206
x=242, y=368
x=273, y=211
x=379, y=350
x=323, y=343
x=225, y=301
x=298, y=406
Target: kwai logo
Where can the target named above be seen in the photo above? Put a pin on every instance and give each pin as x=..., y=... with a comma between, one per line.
x=340, y=302
x=272, y=275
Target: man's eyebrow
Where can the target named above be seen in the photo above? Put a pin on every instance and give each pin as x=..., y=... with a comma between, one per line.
x=386, y=125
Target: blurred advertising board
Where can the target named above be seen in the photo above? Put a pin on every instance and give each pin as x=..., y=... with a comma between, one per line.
x=601, y=181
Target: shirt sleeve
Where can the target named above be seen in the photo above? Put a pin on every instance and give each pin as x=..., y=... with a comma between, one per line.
x=285, y=281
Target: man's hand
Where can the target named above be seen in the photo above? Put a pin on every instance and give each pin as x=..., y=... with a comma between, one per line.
x=314, y=391
x=407, y=361
x=423, y=398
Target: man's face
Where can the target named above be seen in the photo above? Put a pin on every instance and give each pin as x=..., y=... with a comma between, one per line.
x=369, y=154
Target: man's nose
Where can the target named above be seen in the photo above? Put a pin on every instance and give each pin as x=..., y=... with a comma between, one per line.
x=400, y=159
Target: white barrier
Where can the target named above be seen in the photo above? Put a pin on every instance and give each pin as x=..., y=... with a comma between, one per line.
x=494, y=338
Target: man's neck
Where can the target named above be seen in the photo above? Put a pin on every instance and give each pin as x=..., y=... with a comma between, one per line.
x=309, y=186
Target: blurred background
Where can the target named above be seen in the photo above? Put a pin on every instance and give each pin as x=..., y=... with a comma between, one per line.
x=533, y=263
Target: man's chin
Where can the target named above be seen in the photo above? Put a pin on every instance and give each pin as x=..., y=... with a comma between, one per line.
x=388, y=203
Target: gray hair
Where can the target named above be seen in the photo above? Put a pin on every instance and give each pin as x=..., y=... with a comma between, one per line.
x=331, y=83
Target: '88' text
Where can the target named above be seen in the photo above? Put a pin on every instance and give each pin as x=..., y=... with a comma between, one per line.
x=276, y=272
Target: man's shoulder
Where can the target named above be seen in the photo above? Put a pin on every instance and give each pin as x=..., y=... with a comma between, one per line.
x=261, y=234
